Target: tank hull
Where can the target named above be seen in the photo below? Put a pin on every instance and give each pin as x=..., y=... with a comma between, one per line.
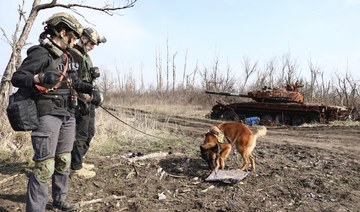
x=279, y=113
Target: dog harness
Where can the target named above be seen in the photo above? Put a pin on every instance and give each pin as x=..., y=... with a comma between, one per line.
x=219, y=135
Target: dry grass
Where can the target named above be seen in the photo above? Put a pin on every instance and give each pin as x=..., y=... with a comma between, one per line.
x=113, y=135
x=14, y=146
x=176, y=110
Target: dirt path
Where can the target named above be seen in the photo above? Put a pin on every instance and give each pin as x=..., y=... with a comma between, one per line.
x=342, y=139
x=313, y=168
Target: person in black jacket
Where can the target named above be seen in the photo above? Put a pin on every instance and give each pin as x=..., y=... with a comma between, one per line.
x=85, y=113
x=49, y=73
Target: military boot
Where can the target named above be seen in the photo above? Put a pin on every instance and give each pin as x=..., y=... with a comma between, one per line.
x=65, y=206
x=88, y=166
x=84, y=173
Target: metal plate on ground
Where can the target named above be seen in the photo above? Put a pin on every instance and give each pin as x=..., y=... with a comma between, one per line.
x=227, y=176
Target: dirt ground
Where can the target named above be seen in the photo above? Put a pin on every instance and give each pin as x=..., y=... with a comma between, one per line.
x=308, y=168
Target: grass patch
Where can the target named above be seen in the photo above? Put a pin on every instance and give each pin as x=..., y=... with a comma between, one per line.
x=5, y=155
x=125, y=144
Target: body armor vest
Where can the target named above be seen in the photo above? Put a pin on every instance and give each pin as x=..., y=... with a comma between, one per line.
x=84, y=62
x=55, y=102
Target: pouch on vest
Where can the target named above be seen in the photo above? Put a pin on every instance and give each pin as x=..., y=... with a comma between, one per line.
x=22, y=112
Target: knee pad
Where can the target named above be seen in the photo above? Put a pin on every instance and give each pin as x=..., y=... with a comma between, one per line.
x=44, y=169
x=62, y=162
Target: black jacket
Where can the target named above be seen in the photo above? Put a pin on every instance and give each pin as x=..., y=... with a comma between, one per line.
x=39, y=59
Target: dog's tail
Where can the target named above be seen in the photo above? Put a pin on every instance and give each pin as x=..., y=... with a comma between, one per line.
x=261, y=132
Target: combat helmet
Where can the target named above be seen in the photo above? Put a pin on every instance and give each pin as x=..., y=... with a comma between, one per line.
x=93, y=36
x=66, y=18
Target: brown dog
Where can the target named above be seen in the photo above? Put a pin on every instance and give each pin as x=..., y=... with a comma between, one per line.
x=214, y=151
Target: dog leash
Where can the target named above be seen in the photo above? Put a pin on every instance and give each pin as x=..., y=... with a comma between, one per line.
x=129, y=124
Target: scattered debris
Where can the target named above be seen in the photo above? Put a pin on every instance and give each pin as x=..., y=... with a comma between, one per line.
x=133, y=154
x=162, y=173
x=161, y=196
x=113, y=197
x=210, y=187
x=156, y=155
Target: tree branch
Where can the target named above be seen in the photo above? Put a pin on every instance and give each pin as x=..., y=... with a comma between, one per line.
x=107, y=8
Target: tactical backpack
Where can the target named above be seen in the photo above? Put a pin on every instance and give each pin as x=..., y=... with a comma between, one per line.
x=22, y=112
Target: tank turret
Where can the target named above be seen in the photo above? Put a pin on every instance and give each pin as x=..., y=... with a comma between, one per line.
x=288, y=94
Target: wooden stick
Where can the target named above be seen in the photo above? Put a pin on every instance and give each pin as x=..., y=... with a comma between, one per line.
x=83, y=203
x=210, y=187
x=175, y=176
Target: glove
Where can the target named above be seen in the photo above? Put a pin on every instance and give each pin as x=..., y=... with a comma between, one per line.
x=73, y=75
x=95, y=72
x=49, y=77
x=96, y=97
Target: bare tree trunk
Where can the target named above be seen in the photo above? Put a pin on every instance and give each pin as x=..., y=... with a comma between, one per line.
x=118, y=80
x=142, y=86
x=160, y=84
x=289, y=69
x=315, y=71
x=157, y=68
x=184, y=73
x=5, y=86
x=159, y=78
x=194, y=74
x=174, y=72
x=270, y=69
x=15, y=58
x=249, y=70
x=105, y=83
x=167, y=64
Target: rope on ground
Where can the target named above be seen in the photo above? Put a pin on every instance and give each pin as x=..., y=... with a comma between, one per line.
x=129, y=124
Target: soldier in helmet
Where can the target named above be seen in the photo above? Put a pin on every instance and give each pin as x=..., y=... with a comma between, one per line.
x=85, y=113
x=48, y=72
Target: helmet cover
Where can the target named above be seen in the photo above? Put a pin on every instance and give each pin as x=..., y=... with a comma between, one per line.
x=67, y=19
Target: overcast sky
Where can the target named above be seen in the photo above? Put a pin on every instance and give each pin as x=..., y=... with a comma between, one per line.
x=325, y=31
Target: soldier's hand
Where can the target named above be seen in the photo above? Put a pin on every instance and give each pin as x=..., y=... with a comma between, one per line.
x=95, y=72
x=49, y=77
x=96, y=96
x=73, y=75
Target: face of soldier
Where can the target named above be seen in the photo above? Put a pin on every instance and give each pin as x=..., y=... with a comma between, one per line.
x=89, y=45
x=71, y=39
x=66, y=40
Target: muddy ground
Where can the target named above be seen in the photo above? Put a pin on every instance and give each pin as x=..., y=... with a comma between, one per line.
x=312, y=168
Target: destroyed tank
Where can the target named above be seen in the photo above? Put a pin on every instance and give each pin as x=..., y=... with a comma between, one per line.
x=276, y=106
